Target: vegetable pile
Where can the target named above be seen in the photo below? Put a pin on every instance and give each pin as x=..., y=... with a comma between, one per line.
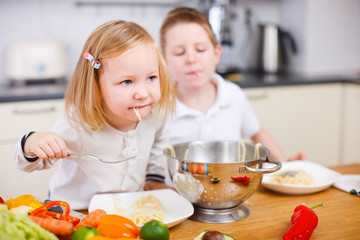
x=53, y=221
x=19, y=226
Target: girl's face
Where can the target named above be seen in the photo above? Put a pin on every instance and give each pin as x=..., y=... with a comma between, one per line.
x=128, y=81
x=190, y=55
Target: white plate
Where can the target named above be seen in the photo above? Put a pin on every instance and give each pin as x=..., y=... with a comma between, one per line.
x=323, y=178
x=176, y=207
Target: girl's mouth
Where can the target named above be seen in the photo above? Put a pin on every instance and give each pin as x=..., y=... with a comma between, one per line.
x=137, y=111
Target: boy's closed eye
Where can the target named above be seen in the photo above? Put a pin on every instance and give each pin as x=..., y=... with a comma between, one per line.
x=179, y=53
x=200, y=48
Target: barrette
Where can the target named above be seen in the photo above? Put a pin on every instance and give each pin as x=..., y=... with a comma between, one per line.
x=96, y=64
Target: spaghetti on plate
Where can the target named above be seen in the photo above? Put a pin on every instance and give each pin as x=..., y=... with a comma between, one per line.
x=144, y=209
x=298, y=177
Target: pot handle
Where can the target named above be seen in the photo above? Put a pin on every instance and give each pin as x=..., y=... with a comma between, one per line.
x=263, y=170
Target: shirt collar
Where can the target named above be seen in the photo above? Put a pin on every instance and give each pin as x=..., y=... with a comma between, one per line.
x=222, y=98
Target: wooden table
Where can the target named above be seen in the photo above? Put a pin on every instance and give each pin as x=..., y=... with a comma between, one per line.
x=270, y=215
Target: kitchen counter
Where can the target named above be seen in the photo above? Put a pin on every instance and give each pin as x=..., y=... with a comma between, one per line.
x=43, y=91
x=40, y=91
x=270, y=215
x=270, y=80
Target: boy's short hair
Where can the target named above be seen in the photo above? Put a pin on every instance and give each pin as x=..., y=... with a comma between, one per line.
x=185, y=15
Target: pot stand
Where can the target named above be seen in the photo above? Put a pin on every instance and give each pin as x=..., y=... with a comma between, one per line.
x=220, y=215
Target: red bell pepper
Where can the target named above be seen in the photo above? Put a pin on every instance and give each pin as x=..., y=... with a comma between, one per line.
x=43, y=212
x=303, y=223
x=2, y=201
x=243, y=179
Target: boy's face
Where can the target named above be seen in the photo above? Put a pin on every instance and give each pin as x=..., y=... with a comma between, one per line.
x=190, y=55
x=128, y=81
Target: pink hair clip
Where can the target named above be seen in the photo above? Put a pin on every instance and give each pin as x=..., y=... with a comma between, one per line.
x=96, y=64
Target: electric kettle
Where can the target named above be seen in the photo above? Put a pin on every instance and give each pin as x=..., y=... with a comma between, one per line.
x=273, y=48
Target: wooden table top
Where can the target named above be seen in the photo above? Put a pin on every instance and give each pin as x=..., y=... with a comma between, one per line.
x=270, y=215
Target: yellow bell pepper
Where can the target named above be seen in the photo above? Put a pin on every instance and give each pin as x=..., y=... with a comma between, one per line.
x=23, y=200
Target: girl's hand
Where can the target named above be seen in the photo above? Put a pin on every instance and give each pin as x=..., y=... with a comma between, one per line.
x=298, y=156
x=45, y=145
x=156, y=185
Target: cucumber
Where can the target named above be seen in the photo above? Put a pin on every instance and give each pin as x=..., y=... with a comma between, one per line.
x=227, y=237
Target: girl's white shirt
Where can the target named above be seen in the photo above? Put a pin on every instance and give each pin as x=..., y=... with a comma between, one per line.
x=79, y=178
x=230, y=118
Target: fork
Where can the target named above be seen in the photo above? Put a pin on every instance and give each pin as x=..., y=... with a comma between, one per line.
x=98, y=158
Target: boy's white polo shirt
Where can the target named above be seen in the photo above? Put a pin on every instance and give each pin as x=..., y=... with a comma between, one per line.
x=230, y=118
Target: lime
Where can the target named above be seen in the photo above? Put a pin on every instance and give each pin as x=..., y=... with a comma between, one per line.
x=154, y=230
x=85, y=233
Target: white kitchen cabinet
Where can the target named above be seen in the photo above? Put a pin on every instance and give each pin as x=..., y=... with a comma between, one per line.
x=18, y=118
x=351, y=143
x=304, y=118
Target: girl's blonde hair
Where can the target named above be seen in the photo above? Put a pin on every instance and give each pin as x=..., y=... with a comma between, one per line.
x=83, y=100
x=185, y=15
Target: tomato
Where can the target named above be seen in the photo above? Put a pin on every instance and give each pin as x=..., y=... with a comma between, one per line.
x=194, y=168
x=114, y=231
x=118, y=220
x=201, y=169
x=154, y=230
x=2, y=201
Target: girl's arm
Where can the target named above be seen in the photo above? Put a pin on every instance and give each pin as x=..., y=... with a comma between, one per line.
x=36, y=151
x=45, y=145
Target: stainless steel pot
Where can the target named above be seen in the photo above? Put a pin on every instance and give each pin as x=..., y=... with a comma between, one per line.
x=204, y=172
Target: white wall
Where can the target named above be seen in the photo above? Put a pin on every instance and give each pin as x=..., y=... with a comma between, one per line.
x=68, y=22
x=329, y=34
x=333, y=36
x=327, y=31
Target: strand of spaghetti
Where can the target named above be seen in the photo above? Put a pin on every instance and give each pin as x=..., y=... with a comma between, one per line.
x=257, y=151
x=241, y=150
x=136, y=110
x=172, y=154
x=146, y=209
x=186, y=154
x=171, y=150
x=117, y=207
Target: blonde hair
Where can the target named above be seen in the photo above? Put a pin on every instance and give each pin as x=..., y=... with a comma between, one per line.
x=185, y=15
x=83, y=100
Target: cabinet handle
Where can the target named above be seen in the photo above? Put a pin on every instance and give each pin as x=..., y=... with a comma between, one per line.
x=257, y=95
x=31, y=111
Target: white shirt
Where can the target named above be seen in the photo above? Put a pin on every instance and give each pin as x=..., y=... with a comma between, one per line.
x=79, y=178
x=230, y=118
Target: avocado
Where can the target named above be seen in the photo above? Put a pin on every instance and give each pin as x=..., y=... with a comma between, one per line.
x=227, y=237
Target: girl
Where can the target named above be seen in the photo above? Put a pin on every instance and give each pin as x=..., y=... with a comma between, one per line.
x=119, y=92
x=207, y=106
